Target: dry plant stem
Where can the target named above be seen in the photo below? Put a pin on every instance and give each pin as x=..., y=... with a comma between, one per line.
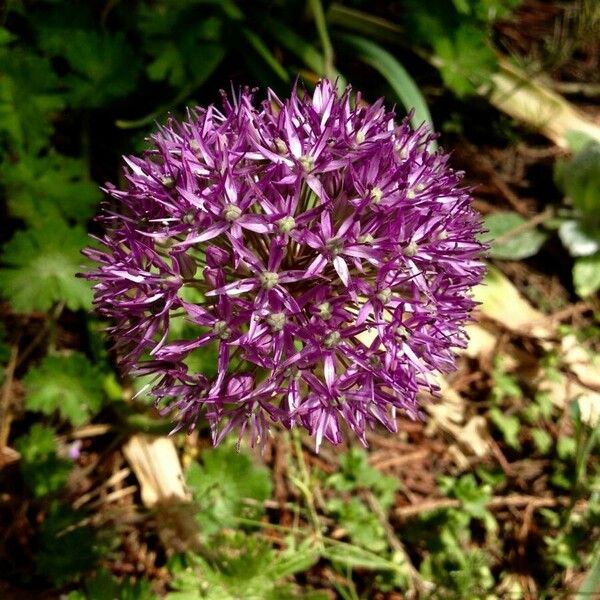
x=48, y=326
x=513, y=501
x=546, y=214
x=5, y=397
x=416, y=581
x=304, y=485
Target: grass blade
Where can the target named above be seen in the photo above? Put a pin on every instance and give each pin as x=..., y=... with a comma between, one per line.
x=395, y=74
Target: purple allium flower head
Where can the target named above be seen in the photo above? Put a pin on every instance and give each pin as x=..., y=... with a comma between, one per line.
x=324, y=251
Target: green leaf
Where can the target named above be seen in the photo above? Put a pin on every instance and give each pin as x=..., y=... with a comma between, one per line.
x=355, y=557
x=566, y=447
x=68, y=549
x=395, y=74
x=29, y=96
x=586, y=275
x=509, y=426
x=70, y=385
x=591, y=584
x=104, y=66
x=579, y=179
x=578, y=239
x=171, y=64
x=355, y=473
x=221, y=484
x=358, y=520
x=296, y=44
x=510, y=246
x=53, y=185
x=543, y=440
x=238, y=566
x=6, y=36
x=103, y=586
x=43, y=471
x=466, y=60
x=40, y=266
x=265, y=53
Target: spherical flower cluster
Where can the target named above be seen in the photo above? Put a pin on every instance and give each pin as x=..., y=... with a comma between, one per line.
x=324, y=251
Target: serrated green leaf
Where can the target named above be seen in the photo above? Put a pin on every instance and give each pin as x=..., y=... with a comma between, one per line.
x=466, y=60
x=187, y=59
x=506, y=246
x=43, y=471
x=49, y=186
x=68, y=549
x=355, y=473
x=363, y=527
x=29, y=96
x=222, y=482
x=237, y=566
x=70, y=385
x=104, y=66
x=39, y=268
x=586, y=275
x=396, y=75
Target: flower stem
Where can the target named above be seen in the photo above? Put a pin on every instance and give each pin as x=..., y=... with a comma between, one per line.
x=304, y=485
x=317, y=9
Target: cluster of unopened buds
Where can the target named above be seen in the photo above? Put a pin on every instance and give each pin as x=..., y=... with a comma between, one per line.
x=325, y=251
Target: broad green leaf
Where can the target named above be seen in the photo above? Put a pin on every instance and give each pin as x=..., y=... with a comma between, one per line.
x=504, y=244
x=43, y=471
x=221, y=484
x=70, y=385
x=465, y=58
x=579, y=240
x=586, y=275
x=39, y=268
x=53, y=185
x=395, y=74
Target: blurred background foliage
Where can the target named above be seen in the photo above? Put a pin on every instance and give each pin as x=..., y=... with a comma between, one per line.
x=84, y=82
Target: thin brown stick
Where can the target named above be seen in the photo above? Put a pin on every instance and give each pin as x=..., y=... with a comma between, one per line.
x=9, y=374
x=397, y=461
x=417, y=582
x=498, y=502
x=546, y=214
